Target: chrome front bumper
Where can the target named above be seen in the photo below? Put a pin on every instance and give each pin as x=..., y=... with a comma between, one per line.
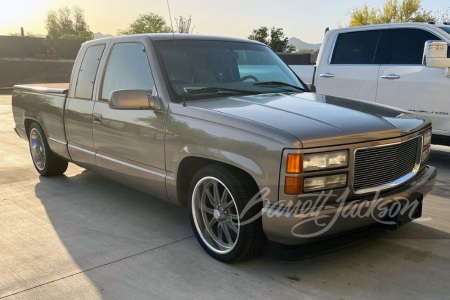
x=296, y=227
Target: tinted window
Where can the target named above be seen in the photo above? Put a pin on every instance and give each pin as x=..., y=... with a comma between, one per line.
x=408, y=46
x=127, y=69
x=88, y=71
x=445, y=28
x=356, y=47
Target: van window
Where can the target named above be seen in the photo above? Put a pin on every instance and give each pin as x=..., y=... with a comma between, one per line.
x=356, y=47
x=408, y=46
x=127, y=69
x=88, y=71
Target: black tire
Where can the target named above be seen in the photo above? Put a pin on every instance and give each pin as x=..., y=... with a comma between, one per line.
x=46, y=162
x=250, y=237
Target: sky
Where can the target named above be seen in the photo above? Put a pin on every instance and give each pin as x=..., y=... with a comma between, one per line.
x=304, y=19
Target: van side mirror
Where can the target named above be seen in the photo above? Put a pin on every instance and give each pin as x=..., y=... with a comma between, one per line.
x=435, y=55
x=132, y=99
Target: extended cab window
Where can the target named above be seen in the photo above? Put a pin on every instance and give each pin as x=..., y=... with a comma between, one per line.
x=88, y=71
x=408, y=44
x=127, y=69
x=356, y=47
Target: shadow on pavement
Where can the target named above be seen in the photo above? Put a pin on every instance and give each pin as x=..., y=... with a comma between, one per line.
x=94, y=214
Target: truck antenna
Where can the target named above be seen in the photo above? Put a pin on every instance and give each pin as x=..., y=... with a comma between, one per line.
x=171, y=24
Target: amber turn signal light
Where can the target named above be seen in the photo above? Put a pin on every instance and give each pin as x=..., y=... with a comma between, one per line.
x=293, y=185
x=294, y=163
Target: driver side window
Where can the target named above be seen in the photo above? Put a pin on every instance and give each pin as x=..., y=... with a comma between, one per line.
x=127, y=69
x=408, y=44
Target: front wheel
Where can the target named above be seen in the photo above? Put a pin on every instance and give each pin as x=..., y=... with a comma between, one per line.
x=44, y=160
x=217, y=197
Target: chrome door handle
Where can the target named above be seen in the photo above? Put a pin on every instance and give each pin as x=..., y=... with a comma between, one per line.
x=97, y=118
x=391, y=76
x=327, y=75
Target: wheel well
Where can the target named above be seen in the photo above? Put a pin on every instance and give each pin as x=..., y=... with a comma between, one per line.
x=27, y=124
x=189, y=167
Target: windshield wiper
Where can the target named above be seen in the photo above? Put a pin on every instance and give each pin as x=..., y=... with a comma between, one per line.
x=279, y=83
x=210, y=90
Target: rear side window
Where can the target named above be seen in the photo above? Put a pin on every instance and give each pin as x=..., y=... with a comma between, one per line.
x=127, y=69
x=88, y=71
x=356, y=47
x=408, y=46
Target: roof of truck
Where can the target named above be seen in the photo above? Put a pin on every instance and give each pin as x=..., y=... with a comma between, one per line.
x=408, y=24
x=184, y=36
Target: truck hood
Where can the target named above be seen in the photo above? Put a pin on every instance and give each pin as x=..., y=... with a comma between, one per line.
x=319, y=120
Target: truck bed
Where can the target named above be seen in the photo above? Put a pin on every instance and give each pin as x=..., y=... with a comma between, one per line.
x=44, y=104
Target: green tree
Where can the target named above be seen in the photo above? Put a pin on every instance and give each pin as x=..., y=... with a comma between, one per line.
x=393, y=11
x=148, y=23
x=68, y=24
x=276, y=39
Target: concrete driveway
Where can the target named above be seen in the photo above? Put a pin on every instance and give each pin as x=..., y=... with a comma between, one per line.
x=86, y=237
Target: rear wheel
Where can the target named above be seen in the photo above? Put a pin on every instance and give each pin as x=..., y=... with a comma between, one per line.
x=44, y=160
x=216, y=199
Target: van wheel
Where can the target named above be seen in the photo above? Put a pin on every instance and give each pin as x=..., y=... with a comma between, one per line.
x=217, y=196
x=44, y=160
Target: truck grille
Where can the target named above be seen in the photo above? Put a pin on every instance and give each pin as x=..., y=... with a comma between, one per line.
x=381, y=165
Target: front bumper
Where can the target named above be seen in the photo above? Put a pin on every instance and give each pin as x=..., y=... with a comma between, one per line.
x=297, y=225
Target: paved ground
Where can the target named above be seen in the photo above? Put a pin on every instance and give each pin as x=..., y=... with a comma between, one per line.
x=83, y=236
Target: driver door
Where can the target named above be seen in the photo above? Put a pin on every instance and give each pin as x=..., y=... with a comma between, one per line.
x=404, y=82
x=130, y=143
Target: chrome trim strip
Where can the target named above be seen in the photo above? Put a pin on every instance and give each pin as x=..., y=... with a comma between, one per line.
x=38, y=89
x=399, y=180
x=57, y=141
x=81, y=149
x=131, y=166
x=121, y=162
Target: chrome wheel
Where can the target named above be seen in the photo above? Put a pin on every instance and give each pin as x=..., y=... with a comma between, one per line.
x=37, y=149
x=215, y=215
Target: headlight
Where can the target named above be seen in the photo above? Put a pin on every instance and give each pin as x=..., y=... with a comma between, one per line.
x=425, y=154
x=324, y=182
x=427, y=138
x=326, y=160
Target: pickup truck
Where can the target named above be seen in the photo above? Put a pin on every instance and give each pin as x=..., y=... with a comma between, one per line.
x=386, y=64
x=223, y=127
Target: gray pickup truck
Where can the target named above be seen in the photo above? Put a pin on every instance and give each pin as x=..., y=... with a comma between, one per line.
x=225, y=128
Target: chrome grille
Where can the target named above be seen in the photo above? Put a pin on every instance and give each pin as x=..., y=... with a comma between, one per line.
x=378, y=166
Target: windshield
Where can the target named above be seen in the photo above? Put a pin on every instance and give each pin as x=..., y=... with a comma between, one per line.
x=197, y=69
x=445, y=28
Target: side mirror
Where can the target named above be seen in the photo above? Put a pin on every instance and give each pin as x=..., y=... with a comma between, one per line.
x=132, y=99
x=435, y=55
